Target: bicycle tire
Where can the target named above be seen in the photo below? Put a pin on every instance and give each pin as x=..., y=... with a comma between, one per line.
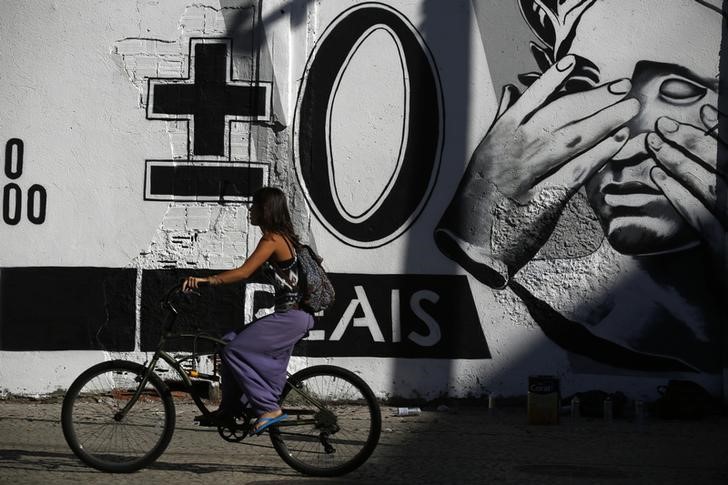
x=356, y=414
x=101, y=440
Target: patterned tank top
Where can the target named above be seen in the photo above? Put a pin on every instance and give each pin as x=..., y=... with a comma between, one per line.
x=284, y=278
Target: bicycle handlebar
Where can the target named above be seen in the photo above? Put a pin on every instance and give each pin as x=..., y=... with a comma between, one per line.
x=171, y=292
x=174, y=291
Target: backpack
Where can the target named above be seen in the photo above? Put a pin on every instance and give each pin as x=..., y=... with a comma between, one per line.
x=682, y=399
x=316, y=288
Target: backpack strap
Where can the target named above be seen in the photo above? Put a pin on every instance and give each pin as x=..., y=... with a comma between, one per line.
x=290, y=246
x=278, y=271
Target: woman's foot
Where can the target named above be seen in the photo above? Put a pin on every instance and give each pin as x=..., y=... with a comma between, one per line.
x=267, y=419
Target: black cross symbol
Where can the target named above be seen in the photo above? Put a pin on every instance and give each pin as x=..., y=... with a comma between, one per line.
x=209, y=99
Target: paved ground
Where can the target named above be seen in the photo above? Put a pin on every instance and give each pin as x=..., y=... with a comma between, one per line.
x=463, y=445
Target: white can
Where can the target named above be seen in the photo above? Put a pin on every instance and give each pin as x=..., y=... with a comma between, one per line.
x=408, y=411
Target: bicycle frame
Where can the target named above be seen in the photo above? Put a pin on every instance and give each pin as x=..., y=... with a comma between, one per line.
x=337, y=415
x=176, y=365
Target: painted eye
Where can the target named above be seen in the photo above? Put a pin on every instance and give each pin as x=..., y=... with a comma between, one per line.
x=681, y=91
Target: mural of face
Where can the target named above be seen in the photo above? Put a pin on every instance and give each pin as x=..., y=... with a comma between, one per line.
x=673, y=73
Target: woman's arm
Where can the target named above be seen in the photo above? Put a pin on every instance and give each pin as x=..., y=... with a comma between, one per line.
x=265, y=249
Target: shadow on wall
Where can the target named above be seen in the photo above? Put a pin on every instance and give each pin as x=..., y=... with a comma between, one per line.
x=452, y=63
x=721, y=185
x=607, y=257
x=616, y=245
x=244, y=21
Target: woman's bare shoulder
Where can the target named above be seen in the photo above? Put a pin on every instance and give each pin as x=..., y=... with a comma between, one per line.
x=273, y=237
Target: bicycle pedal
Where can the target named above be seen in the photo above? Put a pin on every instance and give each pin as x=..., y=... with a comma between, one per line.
x=205, y=423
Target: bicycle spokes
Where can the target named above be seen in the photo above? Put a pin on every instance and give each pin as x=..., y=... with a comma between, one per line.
x=115, y=423
x=334, y=422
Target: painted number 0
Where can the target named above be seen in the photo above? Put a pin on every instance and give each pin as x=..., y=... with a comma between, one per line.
x=422, y=137
x=13, y=194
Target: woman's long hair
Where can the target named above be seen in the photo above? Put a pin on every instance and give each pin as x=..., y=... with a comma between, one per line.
x=273, y=214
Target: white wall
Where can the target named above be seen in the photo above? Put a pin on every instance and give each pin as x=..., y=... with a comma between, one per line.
x=75, y=91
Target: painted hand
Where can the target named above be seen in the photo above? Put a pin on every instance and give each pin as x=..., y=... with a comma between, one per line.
x=541, y=148
x=691, y=173
x=536, y=143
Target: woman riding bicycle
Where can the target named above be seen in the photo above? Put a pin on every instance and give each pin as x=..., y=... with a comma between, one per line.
x=255, y=359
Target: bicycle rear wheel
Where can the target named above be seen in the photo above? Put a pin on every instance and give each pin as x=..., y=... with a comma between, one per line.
x=99, y=435
x=334, y=422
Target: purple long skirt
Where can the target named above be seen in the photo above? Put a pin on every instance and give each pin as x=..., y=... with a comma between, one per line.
x=255, y=360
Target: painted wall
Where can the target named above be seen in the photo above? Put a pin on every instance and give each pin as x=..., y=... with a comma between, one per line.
x=499, y=188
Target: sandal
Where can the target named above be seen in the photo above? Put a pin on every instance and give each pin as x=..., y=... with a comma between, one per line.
x=265, y=423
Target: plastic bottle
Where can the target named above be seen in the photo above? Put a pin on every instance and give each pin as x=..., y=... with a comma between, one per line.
x=608, y=409
x=639, y=412
x=408, y=411
x=575, y=407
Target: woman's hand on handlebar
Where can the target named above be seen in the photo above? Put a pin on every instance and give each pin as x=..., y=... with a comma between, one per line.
x=191, y=283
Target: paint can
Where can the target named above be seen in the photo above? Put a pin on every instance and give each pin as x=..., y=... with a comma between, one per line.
x=543, y=400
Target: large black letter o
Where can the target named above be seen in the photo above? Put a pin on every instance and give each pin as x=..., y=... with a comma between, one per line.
x=424, y=134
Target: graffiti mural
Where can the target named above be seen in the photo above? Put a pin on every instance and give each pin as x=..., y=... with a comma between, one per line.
x=500, y=188
x=593, y=194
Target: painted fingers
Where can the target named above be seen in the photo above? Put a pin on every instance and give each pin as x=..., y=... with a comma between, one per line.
x=582, y=147
x=573, y=109
x=539, y=92
x=537, y=137
x=690, y=208
x=691, y=173
x=508, y=98
x=577, y=171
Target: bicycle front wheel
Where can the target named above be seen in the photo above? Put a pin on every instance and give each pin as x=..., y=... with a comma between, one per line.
x=334, y=421
x=102, y=432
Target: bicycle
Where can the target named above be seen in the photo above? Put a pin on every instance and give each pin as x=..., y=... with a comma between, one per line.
x=119, y=416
